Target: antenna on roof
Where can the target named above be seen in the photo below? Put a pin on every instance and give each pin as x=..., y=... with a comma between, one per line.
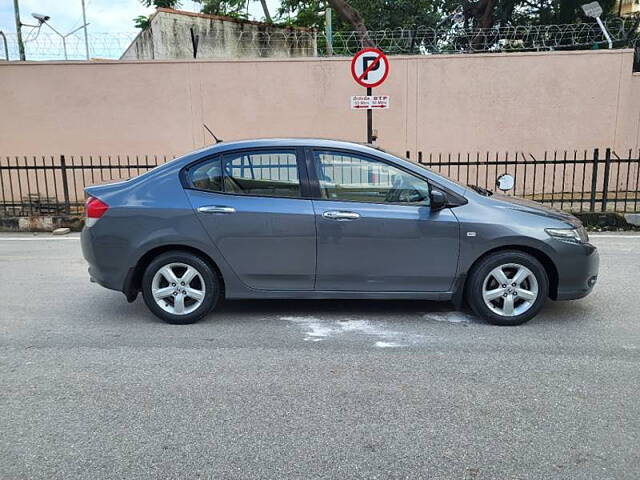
x=218, y=140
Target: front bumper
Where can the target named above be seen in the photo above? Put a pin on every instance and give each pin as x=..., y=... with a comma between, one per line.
x=577, y=271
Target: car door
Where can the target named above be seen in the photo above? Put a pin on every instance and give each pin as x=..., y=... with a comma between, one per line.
x=251, y=204
x=376, y=230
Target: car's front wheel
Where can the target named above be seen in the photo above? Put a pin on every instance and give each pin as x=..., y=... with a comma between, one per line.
x=180, y=287
x=507, y=288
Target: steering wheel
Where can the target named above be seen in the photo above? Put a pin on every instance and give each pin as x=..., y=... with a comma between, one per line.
x=402, y=191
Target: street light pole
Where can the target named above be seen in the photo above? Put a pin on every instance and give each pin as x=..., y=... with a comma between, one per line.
x=16, y=9
x=86, y=36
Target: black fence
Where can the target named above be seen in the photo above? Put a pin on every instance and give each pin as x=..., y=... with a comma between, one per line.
x=592, y=181
x=54, y=185
x=586, y=181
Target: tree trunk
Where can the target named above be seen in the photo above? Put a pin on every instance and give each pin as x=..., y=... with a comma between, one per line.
x=353, y=17
x=482, y=13
x=265, y=9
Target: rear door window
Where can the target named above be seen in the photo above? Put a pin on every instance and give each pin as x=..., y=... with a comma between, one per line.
x=272, y=173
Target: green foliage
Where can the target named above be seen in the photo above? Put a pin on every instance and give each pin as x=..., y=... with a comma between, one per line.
x=389, y=14
x=531, y=12
x=225, y=8
x=142, y=22
x=162, y=3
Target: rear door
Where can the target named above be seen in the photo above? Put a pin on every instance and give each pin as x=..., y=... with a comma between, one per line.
x=376, y=229
x=251, y=204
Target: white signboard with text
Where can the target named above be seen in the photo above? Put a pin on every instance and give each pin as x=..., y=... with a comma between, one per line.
x=365, y=102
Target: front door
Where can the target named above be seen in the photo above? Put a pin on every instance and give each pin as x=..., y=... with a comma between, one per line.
x=376, y=230
x=251, y=204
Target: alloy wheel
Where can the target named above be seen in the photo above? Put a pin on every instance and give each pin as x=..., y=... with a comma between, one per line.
x=510, y=290
x=178, y=288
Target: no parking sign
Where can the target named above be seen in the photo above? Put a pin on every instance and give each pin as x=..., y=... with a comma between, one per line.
x=369, y=68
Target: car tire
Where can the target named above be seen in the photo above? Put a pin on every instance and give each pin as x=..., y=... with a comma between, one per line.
x=176, y=301
x=510, y=301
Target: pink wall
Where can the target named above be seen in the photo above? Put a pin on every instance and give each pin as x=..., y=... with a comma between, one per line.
x=527, y=102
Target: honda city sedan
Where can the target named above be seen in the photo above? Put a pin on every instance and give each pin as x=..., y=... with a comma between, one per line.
x=322, y=219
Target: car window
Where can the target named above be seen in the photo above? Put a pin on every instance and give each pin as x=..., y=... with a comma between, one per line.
x=270, y=173
x=350, y=177
x=207, y=176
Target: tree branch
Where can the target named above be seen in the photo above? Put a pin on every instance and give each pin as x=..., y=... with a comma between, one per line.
x=353, y=17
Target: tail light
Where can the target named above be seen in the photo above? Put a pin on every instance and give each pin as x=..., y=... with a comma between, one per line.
x=94, y=209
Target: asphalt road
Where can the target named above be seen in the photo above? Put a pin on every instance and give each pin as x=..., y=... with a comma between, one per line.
x=92, y=387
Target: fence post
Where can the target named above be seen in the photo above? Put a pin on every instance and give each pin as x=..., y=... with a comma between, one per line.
x=65, y=184
x=605, y=184
x=594, y=180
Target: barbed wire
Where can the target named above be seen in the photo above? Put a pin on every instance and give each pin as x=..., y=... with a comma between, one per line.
x=418, y=40
x=49, y=46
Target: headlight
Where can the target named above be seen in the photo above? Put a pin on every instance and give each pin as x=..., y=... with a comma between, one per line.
x=573, y=234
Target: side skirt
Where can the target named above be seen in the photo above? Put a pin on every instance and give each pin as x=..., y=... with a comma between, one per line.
x=351, y=295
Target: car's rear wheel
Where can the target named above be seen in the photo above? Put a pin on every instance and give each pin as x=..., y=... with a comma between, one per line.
x=180, y=287
x=507, y=288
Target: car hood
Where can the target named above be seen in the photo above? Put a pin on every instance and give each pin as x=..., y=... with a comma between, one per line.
x=536, y=208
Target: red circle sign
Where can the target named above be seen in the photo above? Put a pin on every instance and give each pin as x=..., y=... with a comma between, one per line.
x=369, y=67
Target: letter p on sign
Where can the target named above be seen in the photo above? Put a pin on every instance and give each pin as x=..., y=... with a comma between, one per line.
x=369, y=67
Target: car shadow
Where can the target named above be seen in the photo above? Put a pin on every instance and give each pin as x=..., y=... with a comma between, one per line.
x=320, y=307
x=395, y=310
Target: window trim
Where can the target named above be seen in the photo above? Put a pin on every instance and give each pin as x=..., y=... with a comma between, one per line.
x=303, y=177
x=317, y=195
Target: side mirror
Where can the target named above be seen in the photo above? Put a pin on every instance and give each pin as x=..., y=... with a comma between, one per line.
x=505, y=182
x=438, y=199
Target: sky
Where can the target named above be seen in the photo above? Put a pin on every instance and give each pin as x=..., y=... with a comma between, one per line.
x=102, y=15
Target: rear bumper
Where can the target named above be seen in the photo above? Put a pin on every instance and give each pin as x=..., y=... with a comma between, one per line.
x=104, y=262
x=577, y=272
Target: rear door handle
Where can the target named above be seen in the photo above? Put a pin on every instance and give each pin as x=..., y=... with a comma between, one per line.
x=341, y=215
x=216, y=209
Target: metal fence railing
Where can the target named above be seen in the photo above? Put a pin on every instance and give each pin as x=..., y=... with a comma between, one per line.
x=54, y=185
x=587, y=181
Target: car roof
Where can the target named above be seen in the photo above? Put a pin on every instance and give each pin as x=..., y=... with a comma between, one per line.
x=288, y=142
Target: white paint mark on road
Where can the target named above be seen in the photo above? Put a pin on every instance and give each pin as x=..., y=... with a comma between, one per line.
x=318, y=330
x=389, y=345
x=39, y=239
x=620, y=237
x=448, y=317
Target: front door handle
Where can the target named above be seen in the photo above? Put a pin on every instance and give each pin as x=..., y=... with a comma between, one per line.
x=341, y=215
x=216, y=209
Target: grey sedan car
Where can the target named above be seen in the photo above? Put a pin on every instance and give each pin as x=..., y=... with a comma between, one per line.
x=304, y=218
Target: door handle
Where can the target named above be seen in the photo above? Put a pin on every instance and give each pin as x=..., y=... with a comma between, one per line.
x=216, y=209
x=340, y=215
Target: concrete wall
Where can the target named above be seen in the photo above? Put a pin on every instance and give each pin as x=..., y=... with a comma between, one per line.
x=465, y=103
x=169, y=37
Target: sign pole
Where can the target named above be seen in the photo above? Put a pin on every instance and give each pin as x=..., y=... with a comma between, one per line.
x=369, y=119
x=369, y=68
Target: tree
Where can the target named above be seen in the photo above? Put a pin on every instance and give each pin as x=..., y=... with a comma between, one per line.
x=224, y=8
x=265, y=9
x=487, y=13
x=162, y=3
x=143, y=22
x=353, y=17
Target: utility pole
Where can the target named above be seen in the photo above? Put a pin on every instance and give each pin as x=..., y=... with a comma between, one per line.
x=86, y=36
x=16, y=9
x=328, y=29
